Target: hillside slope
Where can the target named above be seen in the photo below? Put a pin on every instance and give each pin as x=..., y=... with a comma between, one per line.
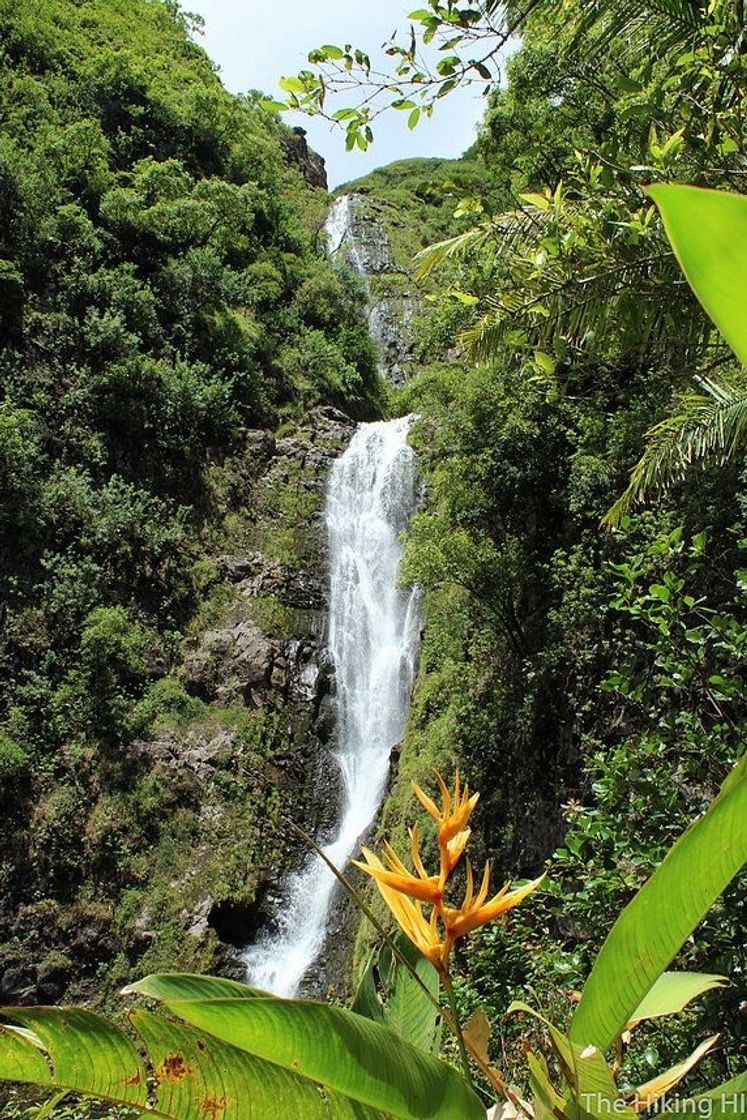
x=163, y=311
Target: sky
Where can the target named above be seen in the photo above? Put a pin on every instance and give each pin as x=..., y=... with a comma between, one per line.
x=255, y=42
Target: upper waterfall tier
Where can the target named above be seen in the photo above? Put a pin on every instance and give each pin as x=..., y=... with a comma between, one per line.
x=357, y=236
x=373, y=639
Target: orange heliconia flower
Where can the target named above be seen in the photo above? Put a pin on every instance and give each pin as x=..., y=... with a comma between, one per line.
x=475, y=911
x=423, y=932
x=405, y=891
x=456, y=810
x=394, y=875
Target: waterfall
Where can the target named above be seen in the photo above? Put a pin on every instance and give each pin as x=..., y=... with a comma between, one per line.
x=373, y=639
x=340, y=236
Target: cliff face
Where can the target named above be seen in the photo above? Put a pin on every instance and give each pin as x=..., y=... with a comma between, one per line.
x=358, y=238
x=221, y=769
x=308, y=162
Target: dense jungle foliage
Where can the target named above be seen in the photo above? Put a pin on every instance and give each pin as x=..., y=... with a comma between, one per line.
x=590, y=680
x=160, y=294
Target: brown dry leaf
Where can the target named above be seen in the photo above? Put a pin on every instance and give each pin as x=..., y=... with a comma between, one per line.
x=648, y=1094
x=476, y=1033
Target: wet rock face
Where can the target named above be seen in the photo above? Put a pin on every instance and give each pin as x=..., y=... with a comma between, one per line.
x=358, y=238
x=390, y=323
x=264, y=652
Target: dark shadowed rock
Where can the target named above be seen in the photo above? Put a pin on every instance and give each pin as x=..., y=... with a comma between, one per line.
x=308, y=162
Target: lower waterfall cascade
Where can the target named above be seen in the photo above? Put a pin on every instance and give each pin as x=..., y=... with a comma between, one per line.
x=373, y=639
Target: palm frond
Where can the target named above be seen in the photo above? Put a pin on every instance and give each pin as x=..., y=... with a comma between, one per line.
x=708, y=425
x=504, y=230
x=641, y=301
x=434, y=255
x=664, y=25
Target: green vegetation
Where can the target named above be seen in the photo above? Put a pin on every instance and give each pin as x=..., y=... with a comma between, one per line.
x=589, y=682
x=226, y=1043
x=584, y=650
x=160, y=295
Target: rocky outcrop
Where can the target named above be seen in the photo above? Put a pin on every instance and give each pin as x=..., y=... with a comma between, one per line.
x=308, y=162
x=357, y=238
x=264, y=654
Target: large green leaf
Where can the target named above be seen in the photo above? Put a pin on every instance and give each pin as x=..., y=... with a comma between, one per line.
x=727, y=1100
x=87, y=1052
x=389, y=992
x=672, y=992
x=199, y=1077
x=192, y=985
x=546, y=1101
x=361, y=1059
x=20, y=1059
x=708, y=232
x=409, y=1010
x=655, y=925
x=367, y=1001
x=591, y=1087
x=192, y=1075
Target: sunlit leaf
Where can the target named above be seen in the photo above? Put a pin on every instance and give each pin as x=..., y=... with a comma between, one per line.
x=672, y=992
x=292, y=85
x=345, y=1052
x=663, y=914
x=708, y=232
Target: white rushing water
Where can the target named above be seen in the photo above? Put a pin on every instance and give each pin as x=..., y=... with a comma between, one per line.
x=373, y=639
x=339, y=230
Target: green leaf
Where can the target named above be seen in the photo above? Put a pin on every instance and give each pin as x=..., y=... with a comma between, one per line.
x=729, y=1099
x=464, y=297
x=343, y=1051
x=366, y=1001
x=20, y=1059
x=191, y=985
x=274, y=106
x=672, y=992
x=545, y=363
x=413, y=118
x=655, y=925
x=547, y=1102
x=538, y=200
x=199, y=1076
x=88, y=1053
x=292, y=85
x=194, y=1075
x=592, y=1087
x=408, y=1010
x=332, y=51
x=708, y=232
